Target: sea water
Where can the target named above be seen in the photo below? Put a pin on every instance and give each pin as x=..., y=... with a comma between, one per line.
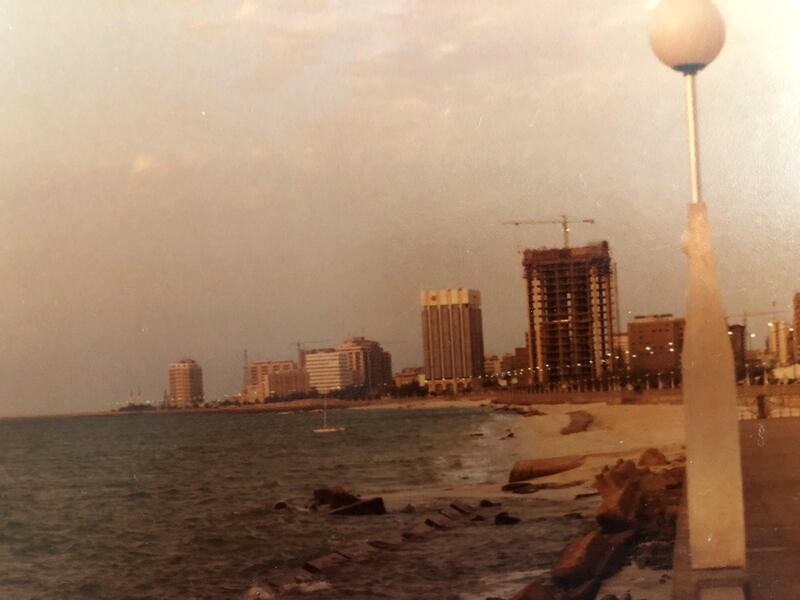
x=180, y=506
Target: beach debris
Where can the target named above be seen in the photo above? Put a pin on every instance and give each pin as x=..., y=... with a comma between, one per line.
x=334, y=496
x=504, y=518
x=325, y=562
x=488, y=503
x=280, y=505
x=408, y=509
x=418, y=532
x=652, y=457
x=440, y=522
x=373, y=506
x=541, y=467
x=579, y=421
x=461, y=507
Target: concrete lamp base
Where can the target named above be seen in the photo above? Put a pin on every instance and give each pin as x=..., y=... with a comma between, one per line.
x=720, y=584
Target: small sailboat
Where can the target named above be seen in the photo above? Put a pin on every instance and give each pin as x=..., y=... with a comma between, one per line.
x=325, y=428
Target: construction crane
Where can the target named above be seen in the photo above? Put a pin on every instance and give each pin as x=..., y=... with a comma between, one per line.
x=564, y=221
x=300, y=343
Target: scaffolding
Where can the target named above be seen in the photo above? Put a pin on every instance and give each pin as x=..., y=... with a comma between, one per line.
x=571, y=315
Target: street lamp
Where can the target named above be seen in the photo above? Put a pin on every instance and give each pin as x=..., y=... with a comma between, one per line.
x=687, y=35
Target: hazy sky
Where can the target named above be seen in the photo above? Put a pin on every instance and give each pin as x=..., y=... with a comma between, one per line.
x=196, y=177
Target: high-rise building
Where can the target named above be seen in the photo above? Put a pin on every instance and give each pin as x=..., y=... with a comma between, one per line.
x=185, y=384
x=778, y=342
x=655, y=343
x=738, y=336
x=571, y=311
x=265, y=379
x=371, y=364
x=452, y=338
x=328, y=370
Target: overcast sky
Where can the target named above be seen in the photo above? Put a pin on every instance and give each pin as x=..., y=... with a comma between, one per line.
x=197, y=177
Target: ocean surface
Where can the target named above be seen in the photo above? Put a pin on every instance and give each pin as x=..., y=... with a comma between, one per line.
x=180, y=506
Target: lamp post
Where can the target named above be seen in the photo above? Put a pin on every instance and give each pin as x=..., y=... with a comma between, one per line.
x=687, y=35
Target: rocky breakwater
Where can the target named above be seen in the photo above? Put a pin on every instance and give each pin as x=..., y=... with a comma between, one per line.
x=636, y=522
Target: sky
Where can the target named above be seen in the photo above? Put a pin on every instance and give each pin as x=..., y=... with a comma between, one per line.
x=199, y=177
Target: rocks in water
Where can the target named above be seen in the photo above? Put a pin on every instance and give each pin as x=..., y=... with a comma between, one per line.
x=358, y=550
x=581, y=560
x=504, y=518
x=533, y=591
x=487, y=503
x=620, y=488
x=290, y=580
x=573, y=515
x=586, y=495
x=541, y=467
x=373, y=506
x=325, y=562
x=461, y=507
x=440, y=522
x=451, y=513
x=418, y=532
x=478, y=518
x=408, y=509
x=280, y=505
x=654, y=555
x=579, y=420
x=652, y=457
x=334, y=496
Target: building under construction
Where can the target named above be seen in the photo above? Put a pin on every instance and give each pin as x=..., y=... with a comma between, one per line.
x=571, y=314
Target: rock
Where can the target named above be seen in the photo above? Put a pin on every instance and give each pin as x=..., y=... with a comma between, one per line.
x=626, y=596
x=573, y=515
x=335, y=496
x=521, y=487
x=408, y=509
x=533, y=591
x=487, y=503
x=478, y=518
x=280, y=505
x=586, y=495
x=507, y=436
x=541, y=467
x=373, y=506
x=461, y=507
x=384, y=544
x=357, y=551
x=579, y=420
x=581, y=560
x=451, y=513
x=504, y=518
x=289, y=580
x=619, y=507
x=654, y=555
x=325, y=562
x=652, y=457
x=418, y=532
x=440, y=522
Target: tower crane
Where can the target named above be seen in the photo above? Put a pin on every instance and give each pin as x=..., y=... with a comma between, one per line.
x=300, y=352
x=564, y=221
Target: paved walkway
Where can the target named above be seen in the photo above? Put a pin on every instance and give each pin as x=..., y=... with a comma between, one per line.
x=771, y=469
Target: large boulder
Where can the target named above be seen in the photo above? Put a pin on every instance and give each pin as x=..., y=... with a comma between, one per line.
x=579, y=420
x=652, y=457
x=373, y=506
x=541, y=467
x=620, y=506
x=334, y=496
x=581, y=560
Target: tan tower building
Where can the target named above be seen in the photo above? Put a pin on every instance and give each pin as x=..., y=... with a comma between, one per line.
x=571, y=307
x=185, y=384
x=452, y=337
x=269, y=378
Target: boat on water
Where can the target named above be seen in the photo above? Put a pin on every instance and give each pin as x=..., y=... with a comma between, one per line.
x=325, y=428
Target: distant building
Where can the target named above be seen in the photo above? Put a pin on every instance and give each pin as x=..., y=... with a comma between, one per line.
x=796, y=333
x=371, y=364
x=571, y=310
x=410, y=375
x=452, y=338
x=739, y=344
x=269, y=378
x=328, y=370
x=621, y=349
x=778, y=342
x=655, y=343
x=185, y=384
x=491, y=365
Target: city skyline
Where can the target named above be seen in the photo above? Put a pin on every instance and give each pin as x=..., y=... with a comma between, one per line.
x=196, y=180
